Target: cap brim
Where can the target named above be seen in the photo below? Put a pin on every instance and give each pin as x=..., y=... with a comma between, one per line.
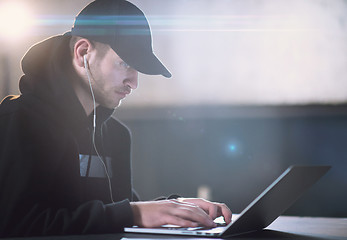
x=144, y=62
x=125, y=28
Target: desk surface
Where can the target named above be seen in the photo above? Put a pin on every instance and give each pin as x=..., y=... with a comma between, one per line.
x=316, y=228
x=285, y=227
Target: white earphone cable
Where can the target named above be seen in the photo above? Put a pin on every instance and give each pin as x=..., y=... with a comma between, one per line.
x=94, y=127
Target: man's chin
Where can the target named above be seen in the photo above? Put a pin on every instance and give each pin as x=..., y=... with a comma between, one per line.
x=116, y=105
x=119, y=103
x=112, y=105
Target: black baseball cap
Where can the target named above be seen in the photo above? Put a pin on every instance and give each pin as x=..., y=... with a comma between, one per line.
x=125, y=28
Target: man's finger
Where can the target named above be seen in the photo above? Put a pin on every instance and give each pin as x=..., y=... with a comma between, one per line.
x=174, y=220
x=192, y=213
x=212, y=208
x=226, y=213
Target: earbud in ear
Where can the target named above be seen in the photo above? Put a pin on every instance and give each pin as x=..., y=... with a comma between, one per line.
x=85, y=61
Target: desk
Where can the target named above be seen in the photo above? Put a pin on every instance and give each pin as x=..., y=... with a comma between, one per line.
x=285, y=227
x=313, y=227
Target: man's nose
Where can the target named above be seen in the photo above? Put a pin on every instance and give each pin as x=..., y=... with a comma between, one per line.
x=132, y=80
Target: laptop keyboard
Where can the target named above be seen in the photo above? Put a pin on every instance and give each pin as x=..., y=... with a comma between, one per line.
x=196, y=228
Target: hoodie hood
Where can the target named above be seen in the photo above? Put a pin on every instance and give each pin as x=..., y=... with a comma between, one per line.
x=48, y=74
x=48, y=71
x=46, y=67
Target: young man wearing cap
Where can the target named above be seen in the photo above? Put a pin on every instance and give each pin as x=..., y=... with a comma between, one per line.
x=64, y=160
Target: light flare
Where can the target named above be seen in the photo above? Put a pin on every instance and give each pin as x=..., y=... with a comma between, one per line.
x=15, y=19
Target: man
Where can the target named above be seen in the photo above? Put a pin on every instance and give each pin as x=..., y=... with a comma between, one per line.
x=65, y=162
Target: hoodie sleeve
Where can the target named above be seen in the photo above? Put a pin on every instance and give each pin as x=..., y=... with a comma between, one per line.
x=39, y=182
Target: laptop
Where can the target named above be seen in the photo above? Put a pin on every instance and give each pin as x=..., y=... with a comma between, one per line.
x=261, y=212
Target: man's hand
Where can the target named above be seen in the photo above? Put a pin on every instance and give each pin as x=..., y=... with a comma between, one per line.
x=213, y=209
x=185, y=212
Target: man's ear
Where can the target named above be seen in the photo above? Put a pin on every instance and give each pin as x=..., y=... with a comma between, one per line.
x=82, y=47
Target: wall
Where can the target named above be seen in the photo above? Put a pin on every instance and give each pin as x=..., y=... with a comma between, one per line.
x=238, y=151
x=220, y=52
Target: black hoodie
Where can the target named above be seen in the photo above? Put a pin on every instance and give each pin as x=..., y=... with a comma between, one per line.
x=51, y=179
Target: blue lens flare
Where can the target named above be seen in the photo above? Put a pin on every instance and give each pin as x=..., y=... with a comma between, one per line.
x=232, y=147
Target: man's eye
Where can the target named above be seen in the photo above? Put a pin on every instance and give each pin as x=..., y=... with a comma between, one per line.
x=124, y=65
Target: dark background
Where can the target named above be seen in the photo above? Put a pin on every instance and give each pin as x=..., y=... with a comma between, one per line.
x=238, y=150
